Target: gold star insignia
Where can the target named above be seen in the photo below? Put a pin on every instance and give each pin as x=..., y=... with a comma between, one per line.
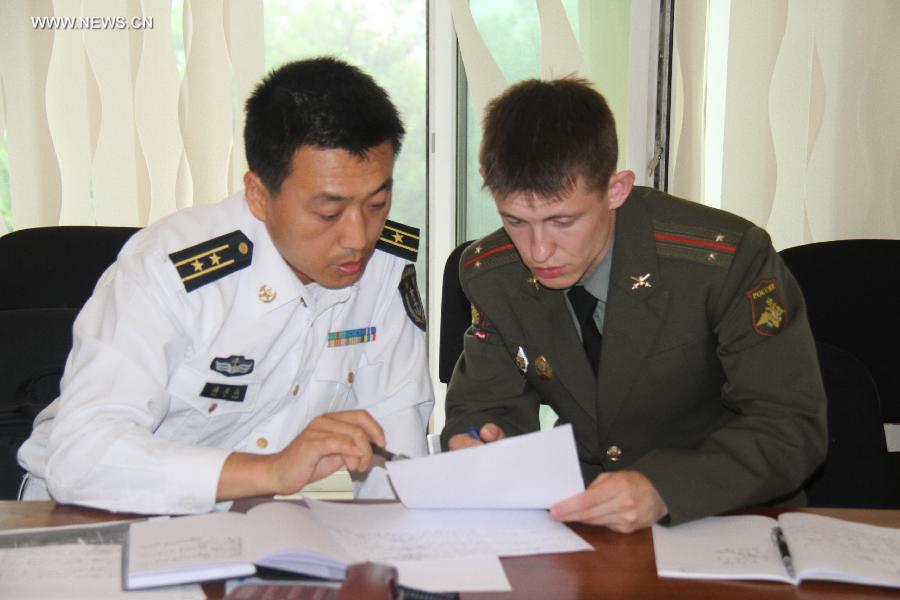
x=477, y=264
x=720, y=237
x=398, y=237
x=478, y=249
x=215, y=259
x=198, y=266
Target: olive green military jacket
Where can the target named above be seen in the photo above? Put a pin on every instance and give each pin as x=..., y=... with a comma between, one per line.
x=708, y=381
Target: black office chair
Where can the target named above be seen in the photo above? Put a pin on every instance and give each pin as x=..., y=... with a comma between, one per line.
x=33, y=350
x=456, y=315
x=56, y=267
x=850, y=290
x=856, y=472
x=47, y=274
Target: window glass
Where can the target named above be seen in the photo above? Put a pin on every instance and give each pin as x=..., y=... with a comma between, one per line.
x=512, y=32
x=387, y=39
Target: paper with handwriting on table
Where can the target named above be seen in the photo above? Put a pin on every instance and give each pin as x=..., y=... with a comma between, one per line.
x=75, y=571
x=390, y=531
x=534, y=470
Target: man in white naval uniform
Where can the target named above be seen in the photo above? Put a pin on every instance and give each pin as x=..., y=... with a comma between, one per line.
x=250, y=347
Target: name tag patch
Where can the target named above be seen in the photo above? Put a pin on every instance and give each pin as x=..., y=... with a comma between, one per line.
x=231, y=393
x=351, y=336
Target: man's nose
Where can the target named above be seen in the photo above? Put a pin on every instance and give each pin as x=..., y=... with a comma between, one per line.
x=541, y=246
x=353, y=231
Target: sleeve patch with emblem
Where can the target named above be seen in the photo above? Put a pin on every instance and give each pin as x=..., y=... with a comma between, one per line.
x=768, y=314
x=399, y=239
x=213, y=259
x=409, y=292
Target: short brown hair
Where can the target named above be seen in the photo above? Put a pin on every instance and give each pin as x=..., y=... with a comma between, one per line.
x=540, y=136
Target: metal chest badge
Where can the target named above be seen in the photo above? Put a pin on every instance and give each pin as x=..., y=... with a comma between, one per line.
x=521, y=360
x=233, y=365
x=543, y=368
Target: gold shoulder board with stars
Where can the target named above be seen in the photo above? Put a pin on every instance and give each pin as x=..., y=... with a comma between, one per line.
x=211, y=260
x=400, y=240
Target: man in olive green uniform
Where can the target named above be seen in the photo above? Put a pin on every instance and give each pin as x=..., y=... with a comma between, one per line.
x=706, y=396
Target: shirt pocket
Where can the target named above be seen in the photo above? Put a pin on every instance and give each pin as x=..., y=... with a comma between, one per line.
x=332, y=383
x=206, y=406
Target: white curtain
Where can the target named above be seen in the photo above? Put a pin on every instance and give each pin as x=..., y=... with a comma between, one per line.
x=807, y=103
x=101, y=125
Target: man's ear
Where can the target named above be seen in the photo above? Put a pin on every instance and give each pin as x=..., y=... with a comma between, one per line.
x=620, y=185
x=257, y=195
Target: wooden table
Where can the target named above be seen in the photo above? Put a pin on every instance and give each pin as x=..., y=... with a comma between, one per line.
x=621, y=566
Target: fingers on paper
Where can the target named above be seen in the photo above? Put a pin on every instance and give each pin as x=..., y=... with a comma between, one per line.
x=625, y=502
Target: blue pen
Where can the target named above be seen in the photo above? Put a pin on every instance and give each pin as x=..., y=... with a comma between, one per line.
x=473, y=433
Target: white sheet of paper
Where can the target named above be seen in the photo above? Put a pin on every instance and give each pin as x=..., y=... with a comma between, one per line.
x=388, y=532
x=74, y=571
x=534, y=470
x=467, y=574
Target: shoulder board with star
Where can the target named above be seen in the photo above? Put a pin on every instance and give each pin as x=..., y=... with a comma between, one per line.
x=488, y=253
x=707, y=245
x=400, y=240
x=213, y=259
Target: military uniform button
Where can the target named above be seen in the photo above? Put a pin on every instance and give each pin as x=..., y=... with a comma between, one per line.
x=266, y=294
x=350, y=377
x=614, y=453
x=262, y=443
x=212, y=407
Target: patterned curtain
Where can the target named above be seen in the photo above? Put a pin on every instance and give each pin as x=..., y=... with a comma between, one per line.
x=117, y=113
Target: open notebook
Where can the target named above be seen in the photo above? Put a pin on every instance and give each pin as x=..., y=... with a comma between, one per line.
x=324, y=539
x=795, y=547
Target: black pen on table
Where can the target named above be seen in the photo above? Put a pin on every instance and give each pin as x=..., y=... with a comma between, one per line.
x=385, y=453
x=783, y=550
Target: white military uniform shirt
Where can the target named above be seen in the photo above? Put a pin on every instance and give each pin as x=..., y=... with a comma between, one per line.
x=162, y=384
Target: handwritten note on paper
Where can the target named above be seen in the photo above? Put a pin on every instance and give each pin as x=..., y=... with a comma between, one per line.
x=719, y=547
x=214, y=538
x=842, y=550
x=73, y=571
x=393, y=532
x=526, y=471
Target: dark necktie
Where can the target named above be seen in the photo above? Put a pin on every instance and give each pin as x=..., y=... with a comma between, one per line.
x=583, y=303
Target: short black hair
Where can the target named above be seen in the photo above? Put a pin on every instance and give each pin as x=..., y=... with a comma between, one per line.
x=321, y=102
x=540, y=136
